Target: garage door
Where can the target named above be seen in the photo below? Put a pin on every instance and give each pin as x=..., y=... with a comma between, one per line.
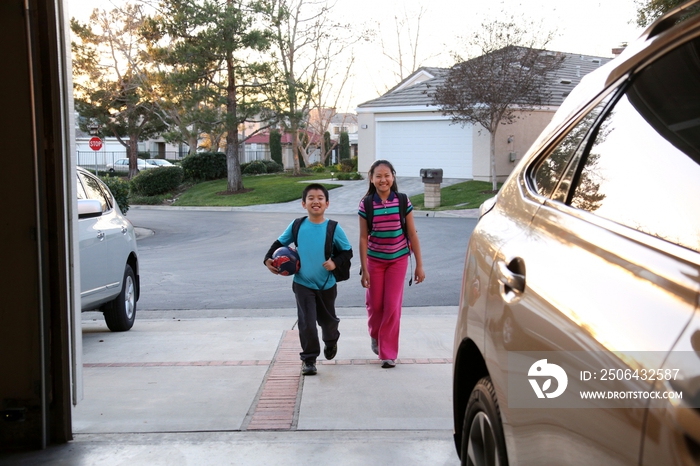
x=412, y=145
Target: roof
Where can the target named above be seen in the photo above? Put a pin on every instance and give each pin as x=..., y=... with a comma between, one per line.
x=575, y=66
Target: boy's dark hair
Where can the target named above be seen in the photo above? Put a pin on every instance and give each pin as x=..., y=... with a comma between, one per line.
x=315, y=186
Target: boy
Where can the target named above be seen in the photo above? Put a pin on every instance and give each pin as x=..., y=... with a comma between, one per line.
x=314, y=285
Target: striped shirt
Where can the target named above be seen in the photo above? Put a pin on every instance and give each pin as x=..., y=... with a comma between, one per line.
x=387, y=240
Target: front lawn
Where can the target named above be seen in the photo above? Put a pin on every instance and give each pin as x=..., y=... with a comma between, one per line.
x=466, y=195
x=260, y=189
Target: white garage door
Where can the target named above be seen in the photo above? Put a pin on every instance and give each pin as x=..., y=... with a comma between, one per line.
x=412, y=145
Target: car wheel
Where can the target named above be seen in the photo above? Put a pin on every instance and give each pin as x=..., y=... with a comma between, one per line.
x=483, y=442
x=111, y=170
x=121, y=313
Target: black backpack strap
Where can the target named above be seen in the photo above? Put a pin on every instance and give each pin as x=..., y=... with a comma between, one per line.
x=368, y=202
x=403, y=207
x=295, y=229
x=330, y=232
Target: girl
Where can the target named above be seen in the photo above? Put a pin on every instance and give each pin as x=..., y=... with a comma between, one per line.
x=384, y=255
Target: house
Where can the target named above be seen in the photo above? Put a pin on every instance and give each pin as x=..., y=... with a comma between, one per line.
x=257, y=147
x=406, y=128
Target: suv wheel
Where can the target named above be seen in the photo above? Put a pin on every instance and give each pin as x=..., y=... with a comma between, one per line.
x=483, y=442
x=120, y=313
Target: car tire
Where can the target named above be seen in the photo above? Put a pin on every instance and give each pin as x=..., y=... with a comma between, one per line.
x=483, y=442
x=121, y=312
x=111, y=170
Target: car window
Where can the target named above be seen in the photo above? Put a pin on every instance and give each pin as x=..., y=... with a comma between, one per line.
x=80, y=191
x=643, y=168
x=95, y=190
x=550, y=171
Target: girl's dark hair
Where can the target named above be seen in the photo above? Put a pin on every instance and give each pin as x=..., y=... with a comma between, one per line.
x=370, y=173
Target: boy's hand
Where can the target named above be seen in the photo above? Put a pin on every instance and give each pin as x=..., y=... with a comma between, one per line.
x=270, y=267
x=329, y=265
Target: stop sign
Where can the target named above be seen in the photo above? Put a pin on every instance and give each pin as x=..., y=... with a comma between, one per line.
x=95, y=143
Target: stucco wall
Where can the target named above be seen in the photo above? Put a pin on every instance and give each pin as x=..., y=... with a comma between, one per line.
x=523, y=132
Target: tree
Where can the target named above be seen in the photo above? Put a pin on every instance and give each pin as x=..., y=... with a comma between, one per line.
x=327, y=147
x=209, y=45
x=344, y=146
x=306, y=46
x=113, y=78
x=276, y=146
x=508, y=78
x=648, y=11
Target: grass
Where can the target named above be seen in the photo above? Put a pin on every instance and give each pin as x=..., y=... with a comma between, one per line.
x=262, y=189
x=466, y=195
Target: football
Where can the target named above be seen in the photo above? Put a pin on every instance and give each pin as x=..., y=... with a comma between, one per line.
x=286, y=261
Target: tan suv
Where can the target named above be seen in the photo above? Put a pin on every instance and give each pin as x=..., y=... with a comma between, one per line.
x=578, y=337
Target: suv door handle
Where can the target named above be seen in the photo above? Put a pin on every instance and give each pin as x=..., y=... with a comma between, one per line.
x=510, y=279
x=100, y=235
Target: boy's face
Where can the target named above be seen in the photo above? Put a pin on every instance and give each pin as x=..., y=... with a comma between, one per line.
x=315, y=202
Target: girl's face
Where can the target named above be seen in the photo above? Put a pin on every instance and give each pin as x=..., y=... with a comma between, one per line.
x=382, y=179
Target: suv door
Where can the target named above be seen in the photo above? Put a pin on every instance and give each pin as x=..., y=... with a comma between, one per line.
x=609, y=269
x=103, y=251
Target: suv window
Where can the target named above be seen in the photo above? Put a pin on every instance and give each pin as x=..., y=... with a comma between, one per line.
x=96, y=190
x=643, y=168
x=553, y=167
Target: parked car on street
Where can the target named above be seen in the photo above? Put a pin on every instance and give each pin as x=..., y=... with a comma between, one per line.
x=160, y=162
x=578, y=334
x=122, y=165
x=109, y=263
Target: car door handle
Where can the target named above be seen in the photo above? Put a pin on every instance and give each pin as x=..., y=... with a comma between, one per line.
x=100, y=235
x=124, y=230
x=513, y=281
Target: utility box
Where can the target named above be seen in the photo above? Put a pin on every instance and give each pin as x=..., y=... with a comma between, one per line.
x=431, y=177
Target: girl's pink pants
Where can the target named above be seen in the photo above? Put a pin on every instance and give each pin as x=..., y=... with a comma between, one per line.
x=384, y=297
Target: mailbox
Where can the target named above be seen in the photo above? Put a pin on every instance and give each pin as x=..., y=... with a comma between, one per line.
x=431, y=175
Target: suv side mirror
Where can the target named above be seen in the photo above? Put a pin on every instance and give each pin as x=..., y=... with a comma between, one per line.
x=89, y=208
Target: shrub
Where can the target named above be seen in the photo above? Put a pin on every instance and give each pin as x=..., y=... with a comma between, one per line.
x=317, y=167
x=204, y=166
x=256, y=167
x=349, y=176
x=347, y=166
x=272, y=166
x=156, y=181
x=120, y=191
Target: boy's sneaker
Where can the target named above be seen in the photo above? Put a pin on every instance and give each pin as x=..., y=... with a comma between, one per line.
x=308, y=368
x=375, y=346
x=388, y=363
x=330, y=352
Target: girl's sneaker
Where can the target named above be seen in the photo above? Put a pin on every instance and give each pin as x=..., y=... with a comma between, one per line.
x=388, y=363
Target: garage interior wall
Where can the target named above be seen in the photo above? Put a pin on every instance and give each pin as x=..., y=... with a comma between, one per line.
x=34, y=334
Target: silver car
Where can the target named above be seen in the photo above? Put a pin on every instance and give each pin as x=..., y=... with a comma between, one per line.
x=578, y=335
x=109, y=264
x=122, y=165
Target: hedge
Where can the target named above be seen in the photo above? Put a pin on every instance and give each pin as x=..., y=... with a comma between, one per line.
x=156, y=181
x=120, y=191
x=205, y=166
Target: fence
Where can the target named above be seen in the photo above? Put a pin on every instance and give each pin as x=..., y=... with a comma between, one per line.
x=98, y=160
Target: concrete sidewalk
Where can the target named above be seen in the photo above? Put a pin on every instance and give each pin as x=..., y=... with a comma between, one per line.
x=224, y=387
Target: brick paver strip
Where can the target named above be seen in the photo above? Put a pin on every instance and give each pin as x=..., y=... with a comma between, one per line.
x=278, y=399
x=283, y=372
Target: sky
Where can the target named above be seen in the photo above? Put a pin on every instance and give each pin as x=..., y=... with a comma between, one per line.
x=589, y=27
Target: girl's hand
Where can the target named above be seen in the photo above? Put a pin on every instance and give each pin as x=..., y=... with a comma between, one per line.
x=365, y=279
x=419, y=275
